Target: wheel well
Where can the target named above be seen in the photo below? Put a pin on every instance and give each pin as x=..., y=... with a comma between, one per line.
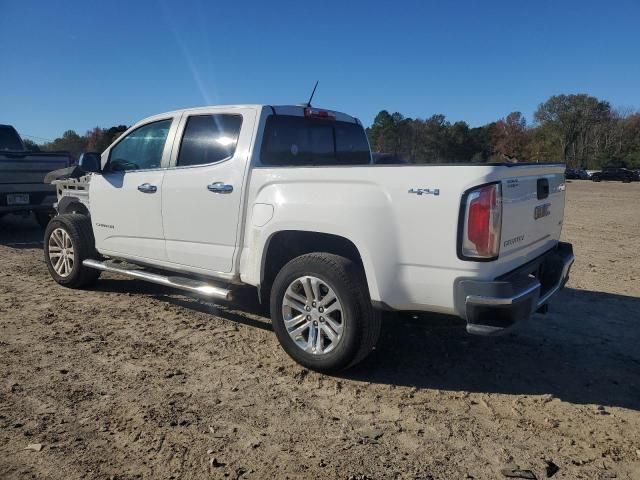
x=287, y=245
x=72, y=205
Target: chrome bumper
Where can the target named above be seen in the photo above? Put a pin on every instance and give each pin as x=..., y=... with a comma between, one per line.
x=492, y=306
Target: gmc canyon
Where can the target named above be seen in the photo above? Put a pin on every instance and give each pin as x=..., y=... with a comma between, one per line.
x=287, y=199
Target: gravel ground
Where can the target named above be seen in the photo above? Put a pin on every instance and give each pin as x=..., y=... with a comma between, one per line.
x=129, y=380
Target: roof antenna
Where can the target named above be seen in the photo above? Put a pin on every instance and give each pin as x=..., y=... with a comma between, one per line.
x=312, y=93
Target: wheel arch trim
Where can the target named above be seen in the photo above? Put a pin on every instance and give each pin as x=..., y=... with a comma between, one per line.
x=261, y=257
x=65, y=204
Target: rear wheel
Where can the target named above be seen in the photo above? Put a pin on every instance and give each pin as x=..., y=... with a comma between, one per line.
x=68, y=241
x=322, y=313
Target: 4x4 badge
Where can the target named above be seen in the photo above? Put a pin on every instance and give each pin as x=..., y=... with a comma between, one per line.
x=425, y=191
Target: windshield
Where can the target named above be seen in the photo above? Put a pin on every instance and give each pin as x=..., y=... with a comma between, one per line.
x=9, y=139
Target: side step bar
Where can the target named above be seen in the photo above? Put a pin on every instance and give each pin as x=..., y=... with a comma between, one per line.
x=183, y=283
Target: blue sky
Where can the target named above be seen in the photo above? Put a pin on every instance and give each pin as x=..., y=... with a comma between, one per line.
x=75, y=65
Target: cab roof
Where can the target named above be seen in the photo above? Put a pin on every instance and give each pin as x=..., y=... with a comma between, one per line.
x=295, y=110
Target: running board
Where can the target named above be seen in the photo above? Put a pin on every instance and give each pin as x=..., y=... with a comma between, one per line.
x=183, y=283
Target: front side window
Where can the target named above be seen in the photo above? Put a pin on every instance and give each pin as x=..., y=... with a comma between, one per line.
x=300, y=141
x=141, y=149
x=209, y=139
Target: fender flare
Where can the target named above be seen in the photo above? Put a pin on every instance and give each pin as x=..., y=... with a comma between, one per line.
x=67, y=203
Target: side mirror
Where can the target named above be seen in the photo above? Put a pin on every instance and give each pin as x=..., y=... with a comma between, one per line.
x=90, y=162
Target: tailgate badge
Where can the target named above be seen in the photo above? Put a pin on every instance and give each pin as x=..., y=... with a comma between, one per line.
x=425, y=191
x=513, y=241
x=541, y=211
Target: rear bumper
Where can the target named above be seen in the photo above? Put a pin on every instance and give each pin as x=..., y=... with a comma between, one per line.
x=41, y=197
x=27, y=208
x=490, y=307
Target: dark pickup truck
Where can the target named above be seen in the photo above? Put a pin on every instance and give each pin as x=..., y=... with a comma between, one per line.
x=615, y=174
x=22, y=187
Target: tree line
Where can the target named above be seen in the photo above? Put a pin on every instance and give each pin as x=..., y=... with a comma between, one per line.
x=95, y=140
x=580, y=130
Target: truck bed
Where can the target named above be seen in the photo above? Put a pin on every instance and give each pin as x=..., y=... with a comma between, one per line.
x=413, y=212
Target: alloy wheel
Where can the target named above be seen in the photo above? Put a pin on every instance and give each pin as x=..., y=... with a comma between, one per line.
x=313, y=315
x=61, y=253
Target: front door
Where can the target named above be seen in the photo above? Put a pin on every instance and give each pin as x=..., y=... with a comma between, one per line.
x=202, y=192
x=126, y=198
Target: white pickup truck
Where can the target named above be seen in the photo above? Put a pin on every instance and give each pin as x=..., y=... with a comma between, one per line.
x=287, y=199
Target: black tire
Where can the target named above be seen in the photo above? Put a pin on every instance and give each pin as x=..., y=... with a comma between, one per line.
x=361, y=324
x=43, y=217
x=78, y=228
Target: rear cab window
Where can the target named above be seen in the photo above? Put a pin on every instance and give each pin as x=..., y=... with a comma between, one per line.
x=291, y=140
x=9, y=139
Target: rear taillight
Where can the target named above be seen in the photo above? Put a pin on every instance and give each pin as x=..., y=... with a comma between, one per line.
x=482, y=223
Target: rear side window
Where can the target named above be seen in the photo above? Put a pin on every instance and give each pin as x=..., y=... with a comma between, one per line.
x=209, y=139
x=298, y=141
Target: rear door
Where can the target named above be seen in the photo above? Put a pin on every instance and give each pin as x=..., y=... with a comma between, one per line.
x=203, y=190
x=126, y=199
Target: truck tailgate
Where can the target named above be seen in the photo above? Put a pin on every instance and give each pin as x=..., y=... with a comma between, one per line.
x=532, y=211
x=29, y=168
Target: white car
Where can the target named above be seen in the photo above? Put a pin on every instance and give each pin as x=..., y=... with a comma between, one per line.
x=288, y=200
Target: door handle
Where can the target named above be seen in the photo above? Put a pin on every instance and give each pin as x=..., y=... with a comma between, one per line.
x=147, y=188
x=219, y=187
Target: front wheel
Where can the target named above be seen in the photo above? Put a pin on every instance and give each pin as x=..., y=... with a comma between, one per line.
x=322, y=313
x=68, y=241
